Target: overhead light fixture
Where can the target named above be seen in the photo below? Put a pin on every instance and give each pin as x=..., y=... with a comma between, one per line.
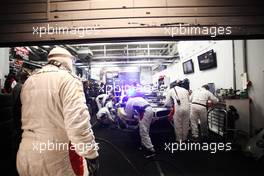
x=36, y=47
x=126, y=43
x=129, y=57
x=120, y=65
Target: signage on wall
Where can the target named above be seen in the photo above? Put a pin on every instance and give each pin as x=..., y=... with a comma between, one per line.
x=207, y=60
x=188, y=67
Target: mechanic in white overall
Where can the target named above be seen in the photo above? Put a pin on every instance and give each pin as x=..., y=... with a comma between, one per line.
x=105, y=115
x=199, y=100
x=145, y=119
x=178, y=97
x=102, y=99
x=57, y=137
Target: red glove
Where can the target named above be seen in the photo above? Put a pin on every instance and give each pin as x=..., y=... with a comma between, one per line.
x=170, y=116
x=76, y=161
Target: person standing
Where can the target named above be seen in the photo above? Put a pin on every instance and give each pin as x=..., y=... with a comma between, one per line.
x=54, y=113
x=145, y=112
x=22, y=77
x=178, y=98
x=199, y=99
x=10, y=83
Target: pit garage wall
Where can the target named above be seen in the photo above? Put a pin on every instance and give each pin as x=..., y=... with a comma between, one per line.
x=222, y=76
x=248, y=57
x=255, y=68
x=4, y=64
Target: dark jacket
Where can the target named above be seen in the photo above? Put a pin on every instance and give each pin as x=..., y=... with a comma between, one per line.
x=7, y=158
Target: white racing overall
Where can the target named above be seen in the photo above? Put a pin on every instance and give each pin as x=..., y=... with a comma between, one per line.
x=54, y=114
x=181, y=115
x=144, y=122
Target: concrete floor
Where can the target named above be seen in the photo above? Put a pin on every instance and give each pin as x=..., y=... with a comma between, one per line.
x=181, y=163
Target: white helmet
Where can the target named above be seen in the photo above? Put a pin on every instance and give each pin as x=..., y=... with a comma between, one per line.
x=63, y=56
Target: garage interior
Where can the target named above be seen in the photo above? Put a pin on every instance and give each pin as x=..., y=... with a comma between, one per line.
x=129, y=41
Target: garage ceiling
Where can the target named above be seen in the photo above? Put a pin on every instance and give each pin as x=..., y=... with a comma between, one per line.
x=22, y=20
x=121, y=54
x=128, y=53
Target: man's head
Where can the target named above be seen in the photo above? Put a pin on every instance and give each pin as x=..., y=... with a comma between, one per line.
x=63, y=56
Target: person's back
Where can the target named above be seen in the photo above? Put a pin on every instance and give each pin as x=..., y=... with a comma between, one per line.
x=54, y=118
x=202, y=95
x=139, y=101
x=134, y=102
x=199, y=99
x=41, y=100
x=182, y=95
x=178, y=97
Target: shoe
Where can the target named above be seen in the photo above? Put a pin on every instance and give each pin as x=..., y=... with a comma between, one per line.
x=149, y=153
x=194, y=139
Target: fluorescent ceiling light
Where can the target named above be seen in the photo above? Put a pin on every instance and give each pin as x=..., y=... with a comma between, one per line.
x=120, y=65
x=127, y=43
x=139, y=57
